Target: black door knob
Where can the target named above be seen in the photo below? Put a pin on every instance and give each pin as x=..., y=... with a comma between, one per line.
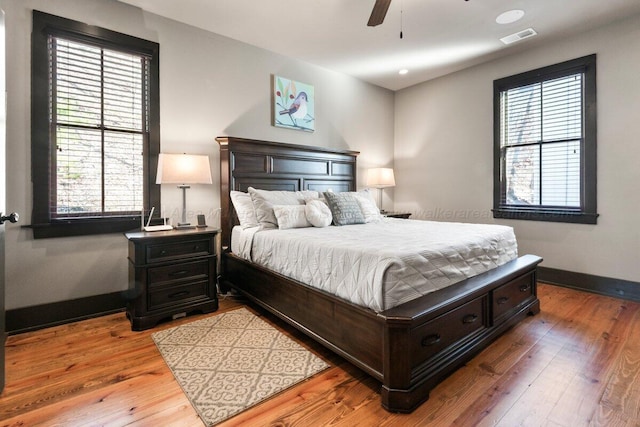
x=12, y=217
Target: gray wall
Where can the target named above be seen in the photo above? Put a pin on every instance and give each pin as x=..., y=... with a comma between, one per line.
x=210, y=86
x=444, y=147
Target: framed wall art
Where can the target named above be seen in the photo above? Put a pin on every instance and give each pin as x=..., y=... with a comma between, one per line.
x=293, y=104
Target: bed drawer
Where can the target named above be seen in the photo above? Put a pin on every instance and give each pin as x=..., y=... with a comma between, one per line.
x=179, y=250
x=509, y=297
x=175, y=273
x=444, y=331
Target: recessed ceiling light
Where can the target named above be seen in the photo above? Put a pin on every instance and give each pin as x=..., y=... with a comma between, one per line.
x=510, y=16
x=403, y=71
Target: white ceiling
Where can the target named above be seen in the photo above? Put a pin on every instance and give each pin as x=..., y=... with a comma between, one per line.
x=440, y=36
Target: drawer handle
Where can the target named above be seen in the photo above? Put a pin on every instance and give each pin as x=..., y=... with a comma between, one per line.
x=502, y=300
x=196, y=248
x=178, y=294
x=163, y=252
x=469, y=318
x=179, y=273
x=525, y=288
x=430, y=340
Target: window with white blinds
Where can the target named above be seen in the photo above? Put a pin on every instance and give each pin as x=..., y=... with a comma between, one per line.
x=102, y=127
x=545, y=144
x=99, y=119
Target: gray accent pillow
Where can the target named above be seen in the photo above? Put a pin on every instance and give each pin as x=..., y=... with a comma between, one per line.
x=345, y=208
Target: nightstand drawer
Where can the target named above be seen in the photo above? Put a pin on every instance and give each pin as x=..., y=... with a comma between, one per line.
x=175, y=295
x=171, y=251
x=176, y=273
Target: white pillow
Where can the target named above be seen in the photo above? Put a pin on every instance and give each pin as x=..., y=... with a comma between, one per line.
x=265, y=200
x=368, y=194
x=291, y=216
x=244, y=209
x=320, y=198
x=369, y=209
x=318, y=213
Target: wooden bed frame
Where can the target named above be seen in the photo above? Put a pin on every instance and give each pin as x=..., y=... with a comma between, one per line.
x=409, y=348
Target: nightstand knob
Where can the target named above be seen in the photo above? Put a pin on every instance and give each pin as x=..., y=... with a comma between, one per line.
x=178, y=294
x=179, y=273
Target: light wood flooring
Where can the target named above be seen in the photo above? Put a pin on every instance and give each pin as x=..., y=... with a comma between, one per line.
x=577, y=363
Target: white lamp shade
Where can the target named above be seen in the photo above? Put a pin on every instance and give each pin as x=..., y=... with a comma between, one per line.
x=183, y=169
x=380, y=178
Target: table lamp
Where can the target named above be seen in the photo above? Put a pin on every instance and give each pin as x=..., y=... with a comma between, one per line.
x=380, y=178
x=183, y=169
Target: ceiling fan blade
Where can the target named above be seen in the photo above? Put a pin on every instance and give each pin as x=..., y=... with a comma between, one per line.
x=379, y=12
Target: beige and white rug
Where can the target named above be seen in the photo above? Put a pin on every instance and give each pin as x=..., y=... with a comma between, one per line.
x=232, y=361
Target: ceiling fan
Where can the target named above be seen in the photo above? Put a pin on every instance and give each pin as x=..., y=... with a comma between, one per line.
x=379, y=12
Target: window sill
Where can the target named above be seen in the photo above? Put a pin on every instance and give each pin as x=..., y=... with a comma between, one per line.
x=574, y=217
x=83, y=227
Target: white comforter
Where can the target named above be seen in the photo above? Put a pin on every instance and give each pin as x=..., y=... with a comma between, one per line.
x=384, y=264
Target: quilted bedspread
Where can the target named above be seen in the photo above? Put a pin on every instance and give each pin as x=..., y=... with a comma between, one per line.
x=383, y=264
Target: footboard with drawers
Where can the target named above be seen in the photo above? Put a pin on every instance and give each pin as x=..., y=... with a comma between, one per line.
x=409, y=348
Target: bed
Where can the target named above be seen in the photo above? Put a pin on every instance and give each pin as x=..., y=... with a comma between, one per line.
x=409, y=347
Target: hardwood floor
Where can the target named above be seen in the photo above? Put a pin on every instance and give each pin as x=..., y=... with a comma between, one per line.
x=577, y=363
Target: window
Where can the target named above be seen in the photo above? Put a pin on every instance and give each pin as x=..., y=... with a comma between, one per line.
x=95, y=128
x=545, y=144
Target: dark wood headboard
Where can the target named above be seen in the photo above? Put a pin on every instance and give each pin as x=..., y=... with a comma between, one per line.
x=268, y=165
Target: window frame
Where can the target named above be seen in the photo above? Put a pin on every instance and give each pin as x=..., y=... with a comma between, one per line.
x=587, y=212
x=42, y=148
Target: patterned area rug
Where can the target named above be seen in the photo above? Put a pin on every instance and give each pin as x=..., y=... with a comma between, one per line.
x=232, y=361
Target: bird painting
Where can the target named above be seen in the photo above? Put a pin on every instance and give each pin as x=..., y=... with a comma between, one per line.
x=297, y=110
x=293, y=104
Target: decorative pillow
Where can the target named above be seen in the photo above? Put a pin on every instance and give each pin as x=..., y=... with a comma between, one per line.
x=368, y=194
x=264, y=200
x=369, y=209
x=320, y=198
x=291, y=216
x=344, y=208
x=244, y=209
x=318, y=213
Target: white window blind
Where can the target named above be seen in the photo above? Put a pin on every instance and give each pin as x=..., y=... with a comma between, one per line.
x=99, y=125
x=541, y=127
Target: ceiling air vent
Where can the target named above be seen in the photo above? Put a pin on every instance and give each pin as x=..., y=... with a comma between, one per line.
x=520, y=35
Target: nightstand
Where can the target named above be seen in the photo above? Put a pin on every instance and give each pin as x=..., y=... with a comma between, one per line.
x=171, y=274
x=403, y=215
